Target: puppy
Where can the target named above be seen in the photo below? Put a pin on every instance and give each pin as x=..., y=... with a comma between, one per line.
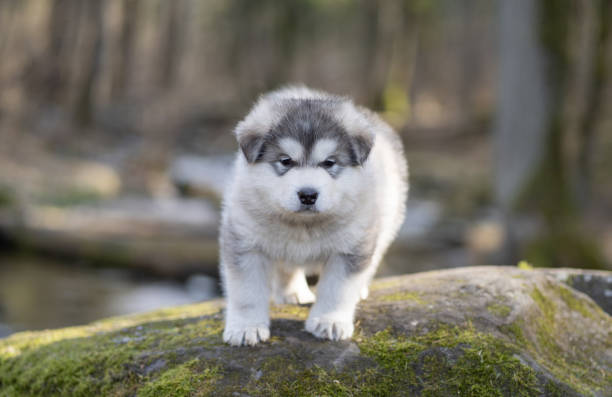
x=319, y=185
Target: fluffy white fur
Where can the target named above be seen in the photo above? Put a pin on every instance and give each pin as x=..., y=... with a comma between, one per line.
x=267, y=245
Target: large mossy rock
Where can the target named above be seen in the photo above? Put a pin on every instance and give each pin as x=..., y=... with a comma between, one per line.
x=487, y=331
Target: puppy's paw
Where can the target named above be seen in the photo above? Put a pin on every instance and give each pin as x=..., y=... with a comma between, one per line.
x=364, y=293
x=297, y=297
x=248, y=335
x=330, y=328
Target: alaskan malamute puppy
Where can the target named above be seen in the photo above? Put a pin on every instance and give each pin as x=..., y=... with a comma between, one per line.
x=319, y=185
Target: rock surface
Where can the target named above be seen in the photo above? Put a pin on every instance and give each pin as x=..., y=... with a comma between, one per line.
x=480, y=331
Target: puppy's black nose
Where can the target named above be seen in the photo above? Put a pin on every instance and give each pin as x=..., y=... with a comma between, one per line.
x=308, y=195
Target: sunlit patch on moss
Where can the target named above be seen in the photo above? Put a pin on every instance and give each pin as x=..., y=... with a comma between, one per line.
x=576, y=303
x=293, y=312
x=571, y=367
x=379, y=285
x=26, y=341
x=499, y=309
x=103, y=358
x=402, y=296
x=192, y=378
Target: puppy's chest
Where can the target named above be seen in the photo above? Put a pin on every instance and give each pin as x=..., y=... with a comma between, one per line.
x=302, y=246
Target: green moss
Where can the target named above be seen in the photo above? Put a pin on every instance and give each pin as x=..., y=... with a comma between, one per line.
x=554, y=390
x=499, y=309
x=27, y=341
x=188, y=379
x=281, y=377
x=297, y=312
x=452, y=361
x=515, y=331
x=446, y=361
x=104, y=358
x=7, y=197
x=379, y=285
x=402, y=296
x=575, y=303
x=571, y=366
x=546, y=306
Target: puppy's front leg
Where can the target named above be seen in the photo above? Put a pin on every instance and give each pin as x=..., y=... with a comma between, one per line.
x=247, y=318
x=338, y=292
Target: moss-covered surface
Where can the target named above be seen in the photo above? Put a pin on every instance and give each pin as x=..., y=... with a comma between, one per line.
x=572, y=366
x=114, y=356
x=193, y=378
x=7, y=197
x=551, y=341
x=402, y=296
x=499, y=309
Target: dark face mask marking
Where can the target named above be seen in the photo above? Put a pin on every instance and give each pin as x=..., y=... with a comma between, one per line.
x=307, y=123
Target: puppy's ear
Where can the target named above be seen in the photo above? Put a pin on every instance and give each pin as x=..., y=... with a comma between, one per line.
x=360, y=148
x=252, y=146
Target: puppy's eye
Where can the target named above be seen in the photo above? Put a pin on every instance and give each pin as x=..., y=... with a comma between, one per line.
x=330, y=162
x=285, y=161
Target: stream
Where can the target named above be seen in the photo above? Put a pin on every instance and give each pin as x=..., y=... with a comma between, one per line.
x=38, y=293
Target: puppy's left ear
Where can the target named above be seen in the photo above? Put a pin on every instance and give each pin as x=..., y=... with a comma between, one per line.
x=361, y=145
x=252, y=147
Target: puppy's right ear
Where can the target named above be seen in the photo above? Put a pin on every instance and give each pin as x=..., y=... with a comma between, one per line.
x=252, y=147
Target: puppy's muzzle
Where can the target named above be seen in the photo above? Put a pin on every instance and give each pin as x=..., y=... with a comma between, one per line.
x=308, y=196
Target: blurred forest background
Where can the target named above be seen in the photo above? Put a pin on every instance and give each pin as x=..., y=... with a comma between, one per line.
x=116, y=119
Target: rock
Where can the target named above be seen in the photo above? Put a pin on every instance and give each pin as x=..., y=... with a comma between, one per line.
x=596, y=284
x=478, y=331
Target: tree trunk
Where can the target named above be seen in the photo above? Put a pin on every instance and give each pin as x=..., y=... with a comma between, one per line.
x=53, y=83
x=599, y=78
x=523, y=102
x=170, y=42
x=531, y=169
x=83, y=108
x=122, y=67
x=381, y=19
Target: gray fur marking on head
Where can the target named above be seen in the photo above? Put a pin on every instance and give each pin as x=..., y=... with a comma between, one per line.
x=308, y=121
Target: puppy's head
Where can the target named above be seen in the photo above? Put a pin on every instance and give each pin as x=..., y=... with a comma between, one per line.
x=304, y=152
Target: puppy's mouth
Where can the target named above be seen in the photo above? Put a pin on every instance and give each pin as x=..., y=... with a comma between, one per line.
x=307, y=209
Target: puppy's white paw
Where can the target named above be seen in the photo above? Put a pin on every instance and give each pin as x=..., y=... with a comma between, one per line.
x=330, y=328
x=364, y=293
x=297, y=297
x=249, y=335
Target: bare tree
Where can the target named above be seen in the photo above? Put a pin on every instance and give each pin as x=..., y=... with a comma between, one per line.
x=90, y=58
x=599, y=76
x=531, y=168
x=122, y=66
x=170, y=42
x=49, y=79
